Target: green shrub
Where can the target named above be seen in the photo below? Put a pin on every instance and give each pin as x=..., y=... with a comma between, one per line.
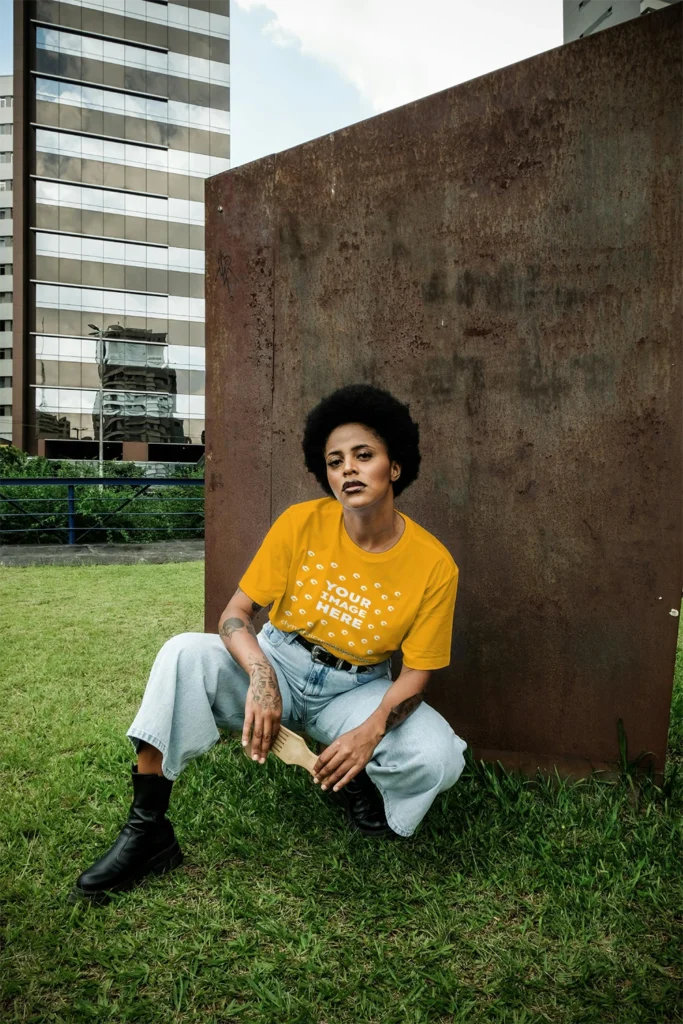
x=97, y=519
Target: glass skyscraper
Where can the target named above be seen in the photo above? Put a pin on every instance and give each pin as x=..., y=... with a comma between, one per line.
x=123, y=109
x=585, y=17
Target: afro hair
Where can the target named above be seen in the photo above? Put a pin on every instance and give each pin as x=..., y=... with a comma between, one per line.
x=376, y=409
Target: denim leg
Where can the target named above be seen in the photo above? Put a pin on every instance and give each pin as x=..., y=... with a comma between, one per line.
x=194, y=686
x=411, y=764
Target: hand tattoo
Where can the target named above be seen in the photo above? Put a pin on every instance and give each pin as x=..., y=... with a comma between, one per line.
x=230, y=626
x=254, y=606
x=265, y=690
x=399, y=713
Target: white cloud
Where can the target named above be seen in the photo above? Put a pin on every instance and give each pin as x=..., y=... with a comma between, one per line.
x=394, y=51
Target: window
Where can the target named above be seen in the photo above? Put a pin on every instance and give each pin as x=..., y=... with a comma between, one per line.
x=6, y=186
x=5, y=158
x=5, y=382
x=5, y=325
x=5, y=353
x=6, y=129
x=6, y=269
x=6, y=240
x=6, y=296
x=5, y=410
x=6, y=101
x=6, y=213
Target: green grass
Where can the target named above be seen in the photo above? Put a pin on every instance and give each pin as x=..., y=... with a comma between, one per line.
x=515, y=903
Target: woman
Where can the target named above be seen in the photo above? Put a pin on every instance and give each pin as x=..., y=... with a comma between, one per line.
x=350, y=580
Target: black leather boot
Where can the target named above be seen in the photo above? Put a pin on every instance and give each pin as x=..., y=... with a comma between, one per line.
x=364, y=806
x=145, y=845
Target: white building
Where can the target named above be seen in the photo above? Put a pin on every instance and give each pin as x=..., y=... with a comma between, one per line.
x=583, y=17
x=6, y=261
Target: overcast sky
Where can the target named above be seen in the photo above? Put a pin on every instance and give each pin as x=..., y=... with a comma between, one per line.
x=303, y=68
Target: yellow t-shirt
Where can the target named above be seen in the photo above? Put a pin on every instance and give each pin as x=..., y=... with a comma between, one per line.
x=359, y=605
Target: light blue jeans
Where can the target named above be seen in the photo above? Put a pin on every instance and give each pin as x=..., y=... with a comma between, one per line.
x=196, y=686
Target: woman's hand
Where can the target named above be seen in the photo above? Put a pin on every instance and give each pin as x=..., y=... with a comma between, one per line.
x=263, y=708
x=345, y=757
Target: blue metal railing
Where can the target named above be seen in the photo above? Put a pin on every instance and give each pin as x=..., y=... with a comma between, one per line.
x=76, y=525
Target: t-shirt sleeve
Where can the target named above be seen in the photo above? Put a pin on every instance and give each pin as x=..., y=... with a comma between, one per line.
x=266, y=578
x=427, y=644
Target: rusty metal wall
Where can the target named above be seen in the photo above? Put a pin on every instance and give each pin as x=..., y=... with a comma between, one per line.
x=505, y=256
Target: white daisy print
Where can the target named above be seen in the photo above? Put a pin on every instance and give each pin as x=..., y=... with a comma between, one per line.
x=378, y=611
x=305, y=568
x=311, y=554
x=319, y=566
x=363, y=587
x=342, y=577
x=314, y=582
x=370, y=651
x=356, y=575
x=310, y=625
x=323, y=622
x=364, y=641
x=288, y=613
x=333, y=564
x=345, y=632
x=294, y=598
x=378, y=585
x=382, y=623
x=330, y=634
x=299, y=583
x=378, y=638
x=397, y=593
x=351, y=643
x=308, y=597
x=391, y=607
x=385, y=597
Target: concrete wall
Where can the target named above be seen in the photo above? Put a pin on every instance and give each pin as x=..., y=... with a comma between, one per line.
x=506, y=256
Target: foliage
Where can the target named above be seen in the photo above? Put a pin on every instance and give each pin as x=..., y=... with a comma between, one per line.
x=47, y=503
x=519, y=901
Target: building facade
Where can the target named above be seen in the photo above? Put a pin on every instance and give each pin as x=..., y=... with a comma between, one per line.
x=584, y=17
x=6, y=256
x=121, y=111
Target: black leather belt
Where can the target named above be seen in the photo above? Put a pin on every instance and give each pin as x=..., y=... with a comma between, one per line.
x=319, y=653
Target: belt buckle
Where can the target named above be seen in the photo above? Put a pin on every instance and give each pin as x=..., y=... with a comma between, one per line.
x=317, y=649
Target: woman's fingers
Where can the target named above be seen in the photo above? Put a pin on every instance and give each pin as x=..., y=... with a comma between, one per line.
x=248, y=722
x=338, y=771
x=257, y=737
x=346, y=778
x=266, y=728
x=334, y=760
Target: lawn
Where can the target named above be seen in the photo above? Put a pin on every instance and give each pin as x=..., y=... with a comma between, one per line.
x=515, y=903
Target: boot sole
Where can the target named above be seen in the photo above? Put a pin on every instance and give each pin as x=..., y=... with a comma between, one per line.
x=164, y=862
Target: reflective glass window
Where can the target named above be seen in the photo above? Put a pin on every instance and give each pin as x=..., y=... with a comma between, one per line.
x=109, y=201
x=199, y=68
x=92, y=148
x=138, y=304
x=128, y=353
x=93, y=98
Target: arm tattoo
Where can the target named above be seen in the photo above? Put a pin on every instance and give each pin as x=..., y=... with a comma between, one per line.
x=265, y=690
x=230, y=626
x=399, y=713
x=254, y=606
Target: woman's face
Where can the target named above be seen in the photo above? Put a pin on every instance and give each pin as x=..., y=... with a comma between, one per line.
x=355, y=455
